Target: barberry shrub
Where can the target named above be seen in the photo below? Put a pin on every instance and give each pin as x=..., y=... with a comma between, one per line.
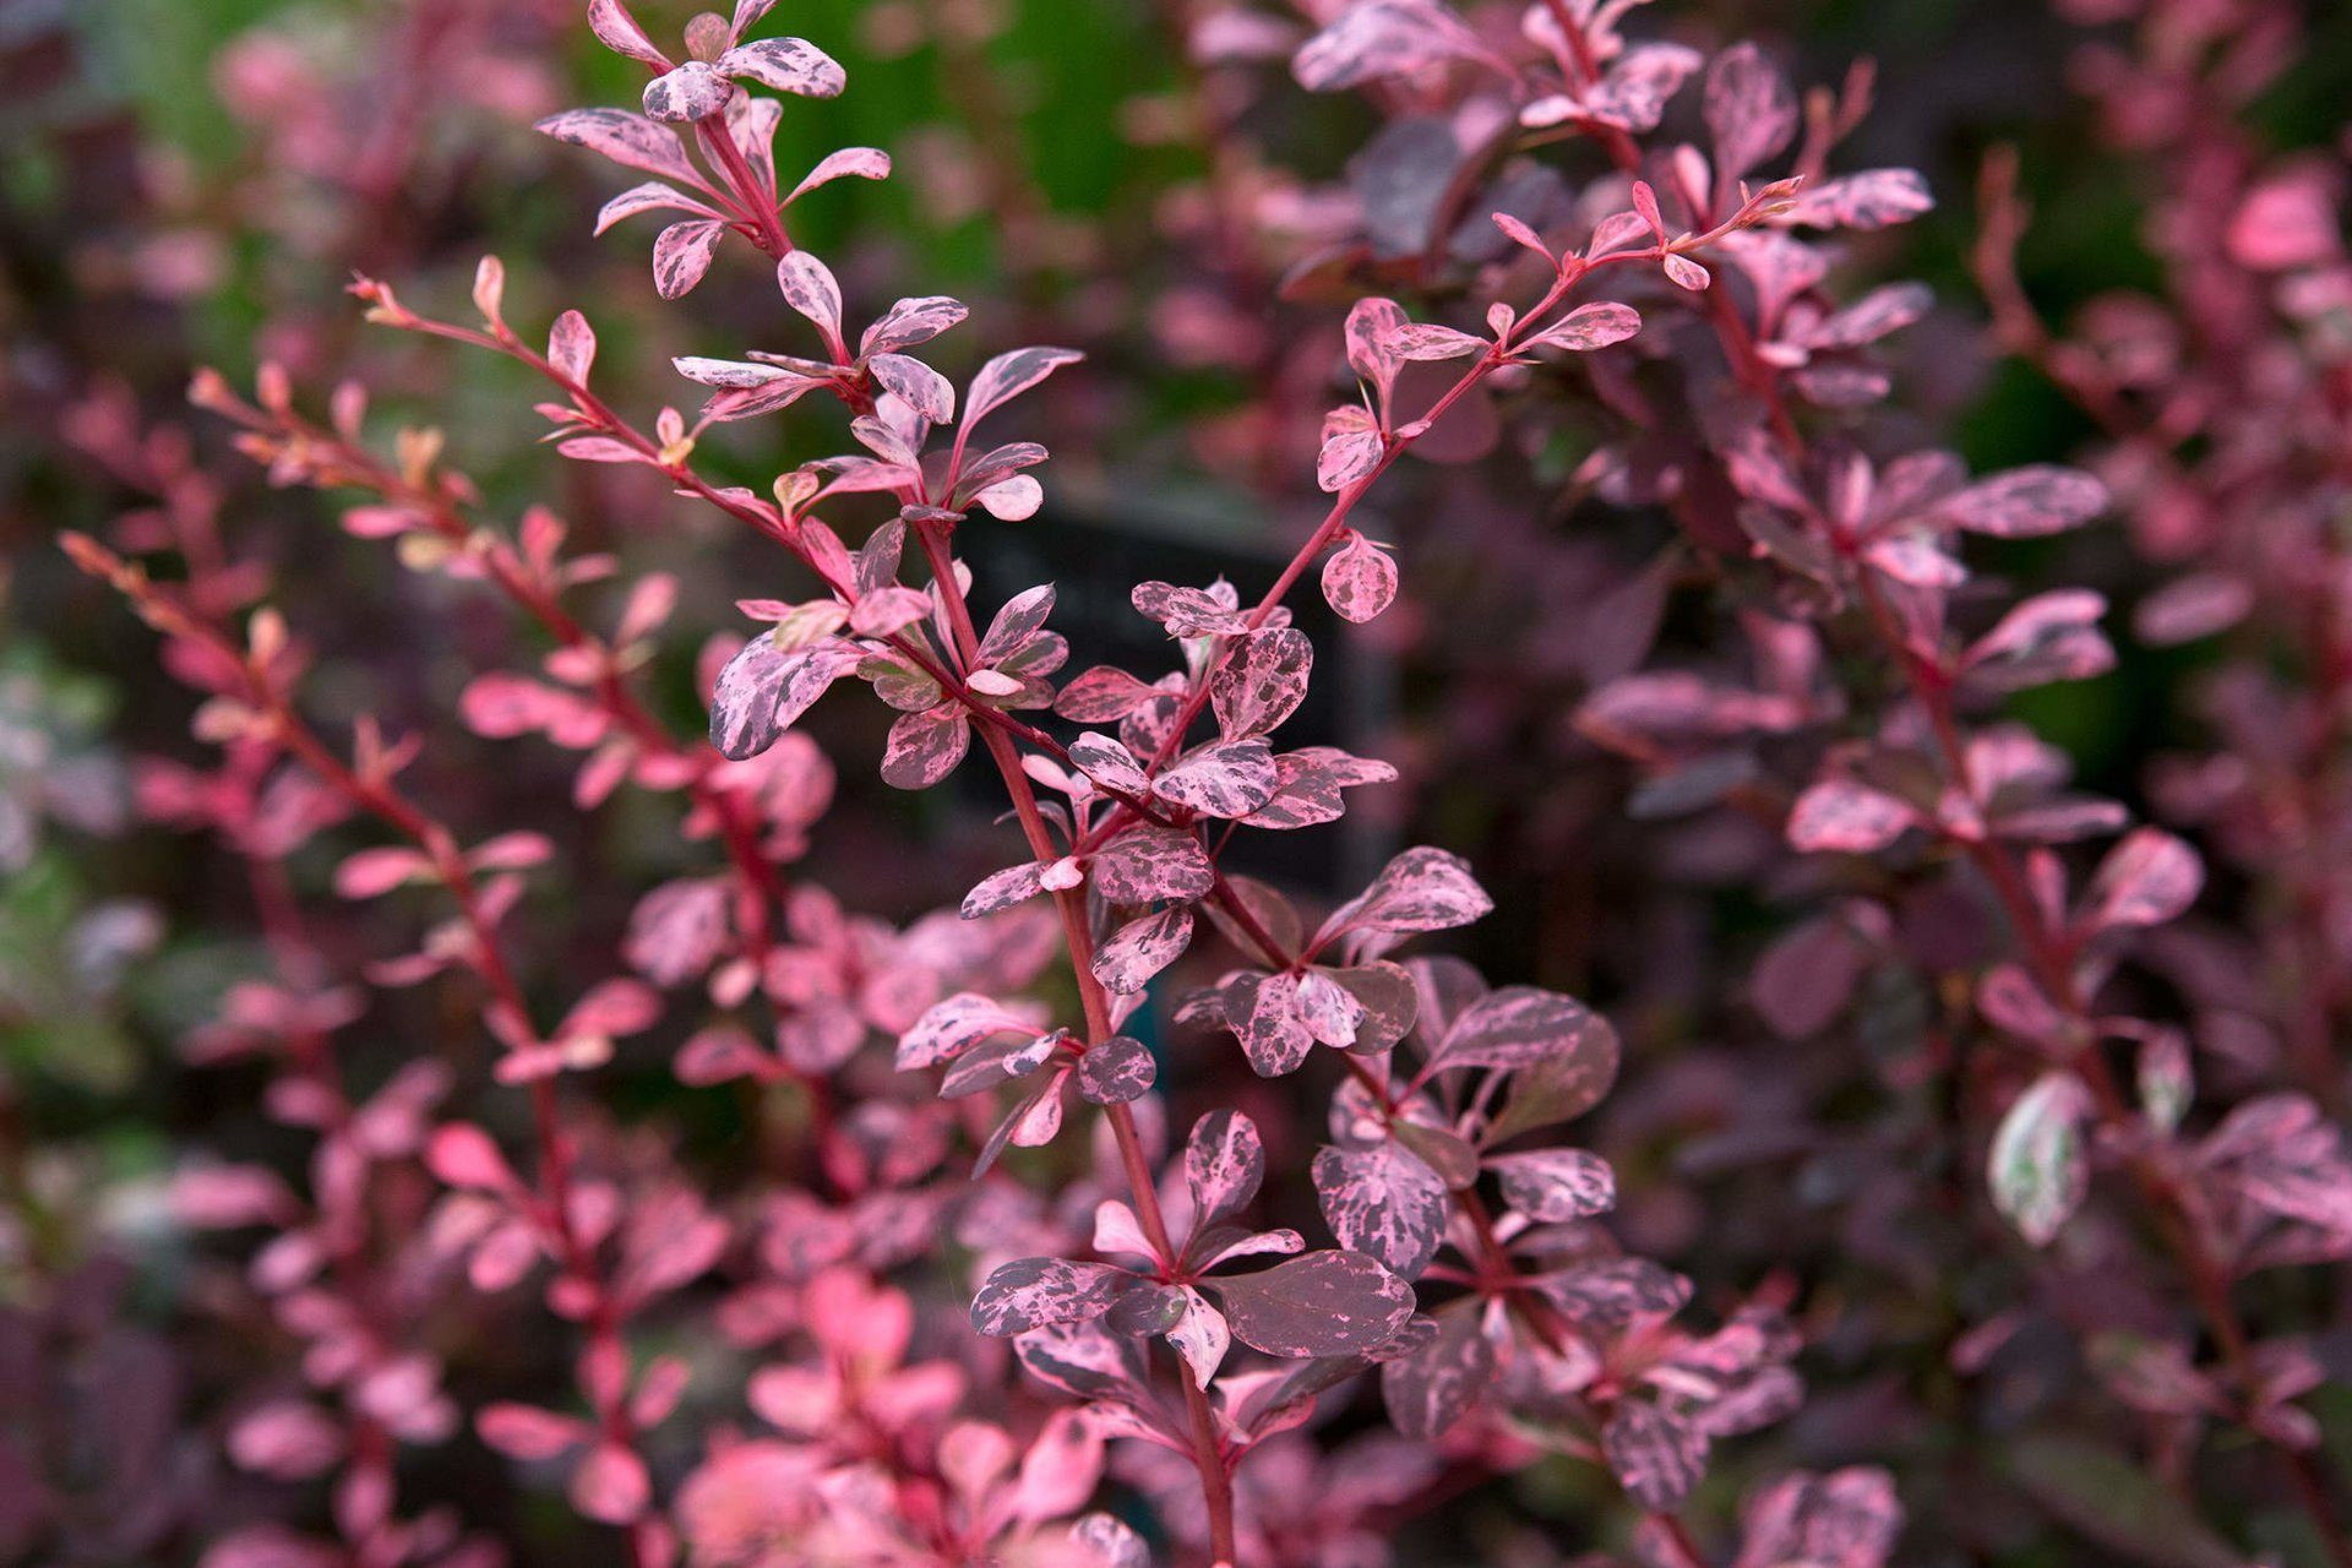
x=986, y=1296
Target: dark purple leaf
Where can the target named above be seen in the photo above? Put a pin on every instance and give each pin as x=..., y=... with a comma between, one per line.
x=1324, y=1304
x=1432, y=1388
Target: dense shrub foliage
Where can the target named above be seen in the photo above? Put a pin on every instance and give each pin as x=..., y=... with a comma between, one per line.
x=588, y=1139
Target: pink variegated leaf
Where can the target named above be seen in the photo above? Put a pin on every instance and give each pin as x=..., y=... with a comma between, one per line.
x=2050, y=637
x=2025, y=504
x=1225, y=779
x=1375, y=38
x=925, y=390
x=809, y=288
x=618, y=31
x=1149, y=864
x=1874, y=316
x=763, y=688
x=682, y=254
x=1103, y=695
x=1116, y=1070
x=1003, y=889
x=849, y=163
x=1633, y=94
x=1110, y=766
x=1359, y=581
x=947, y=1029
x=1750, y=111
x=572, y=346
x=1422, y=890
x=1372, y=325
x=746, y=17
x=629, y=140
x=1872, y=198
x=912, y=321
x=1010, y=374
x=1192, y=611
x=1555, y=1186
x=1324, y=1304
x=1656, y=1457
x=2037, y=1167
x=924, y=748
x=1427, y=340
x=1384, y=1202
x=787, y=65
x=1016, y=499
x=1021, y=618
x=1848, y=1518
x=1612, y=1292
x=693, y=92
x=1200, y=1336
x=1431, y=1389
x=1263, y=1011
x=1346, y=456
x=1519, y=1027
x=1685, y=273
x=1126, y=960
x=1042, y=1292
x=1588, y=328
x=1328, y=1011
x=1261, y=682
x=2148, y=878
x=1223, y=1165
x=651, y=196
x=996, y=1062
x=1840, y=814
